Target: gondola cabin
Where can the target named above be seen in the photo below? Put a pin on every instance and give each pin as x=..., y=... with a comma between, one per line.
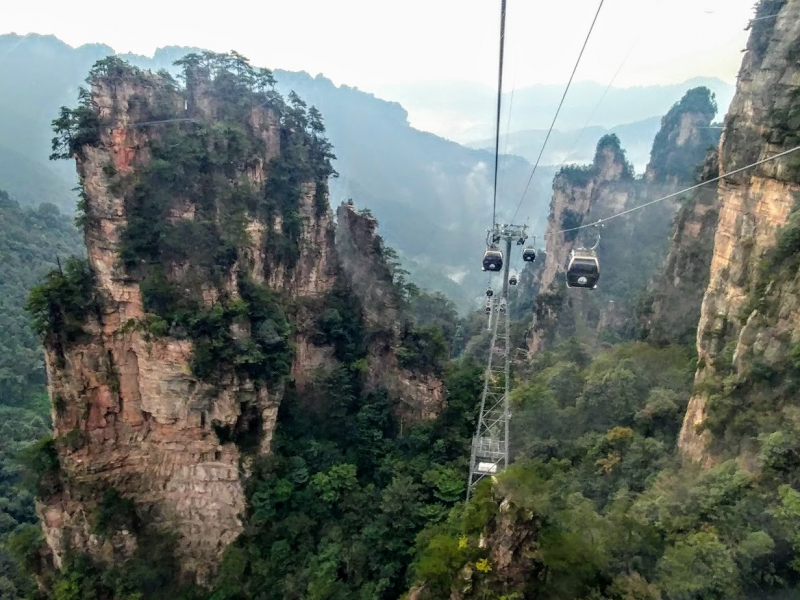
x=492, y=259
x=512, y=280
x=529, y=254
x=583, y=269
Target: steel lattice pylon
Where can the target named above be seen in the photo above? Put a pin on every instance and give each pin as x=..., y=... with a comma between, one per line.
x=490, y=444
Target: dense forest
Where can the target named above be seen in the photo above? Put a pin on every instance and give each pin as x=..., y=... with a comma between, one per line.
x=610, y=510
x=32, y=241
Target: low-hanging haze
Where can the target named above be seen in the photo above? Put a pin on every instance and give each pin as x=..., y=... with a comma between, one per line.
x=376, y=44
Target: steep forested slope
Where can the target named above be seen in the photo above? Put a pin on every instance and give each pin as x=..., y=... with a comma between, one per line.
x=31, y=241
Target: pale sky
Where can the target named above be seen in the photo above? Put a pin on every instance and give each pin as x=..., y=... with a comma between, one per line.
x=374, y=43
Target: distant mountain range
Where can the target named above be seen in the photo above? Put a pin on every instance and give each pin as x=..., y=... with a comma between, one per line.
x=578, y=145
x=464, y=112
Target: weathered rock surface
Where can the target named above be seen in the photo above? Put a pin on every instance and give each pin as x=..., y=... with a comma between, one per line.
x=580, y=196
x=678, y=288
x=753, y=206
x=416, y=396
x=142, y=421
x=128, y=413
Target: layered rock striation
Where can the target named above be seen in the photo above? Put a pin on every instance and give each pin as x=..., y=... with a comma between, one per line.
x=211, y=251
x=749, y=316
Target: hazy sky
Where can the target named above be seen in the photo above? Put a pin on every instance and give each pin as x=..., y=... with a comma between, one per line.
x=374, y=43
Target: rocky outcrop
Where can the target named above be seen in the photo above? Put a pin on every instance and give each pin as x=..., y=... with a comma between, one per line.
x=581, y=195
x=142, y=422
x=131, y=409
x=683, y=140
x=632, y=247
x=511, y=564
x=417, y=397
x=749, y=310
x=677, y=292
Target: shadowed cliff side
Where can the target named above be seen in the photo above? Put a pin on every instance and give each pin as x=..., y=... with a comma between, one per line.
x=669, y=313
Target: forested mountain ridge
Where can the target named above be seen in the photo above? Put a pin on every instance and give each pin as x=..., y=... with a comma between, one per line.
x=40, y=73
x=31, y=243
x=577, y=145
x=620, y=490
x=461, y=111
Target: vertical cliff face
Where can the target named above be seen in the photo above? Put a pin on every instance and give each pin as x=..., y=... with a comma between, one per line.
x=580, y=195
x=748, y=322
x=129, y=412
x=211, y=248
x=417, y=396
x=677, y=292
x=630, y=248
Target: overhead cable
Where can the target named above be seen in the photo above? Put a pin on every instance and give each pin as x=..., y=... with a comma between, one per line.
x=558, y=110
x=508, y=122
x=499, y=102
x=608, y=88
x=161, y=121
x=689, y=189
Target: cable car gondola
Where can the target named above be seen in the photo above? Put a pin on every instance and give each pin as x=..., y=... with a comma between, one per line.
x=583, y=269
x=529, y=254
x=512, y=280
x=492, y=259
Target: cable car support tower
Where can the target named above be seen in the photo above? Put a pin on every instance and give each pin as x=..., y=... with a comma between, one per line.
x=490, y=444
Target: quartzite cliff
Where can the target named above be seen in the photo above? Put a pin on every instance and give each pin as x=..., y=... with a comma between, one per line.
x=211, y=252
x=749, y=317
